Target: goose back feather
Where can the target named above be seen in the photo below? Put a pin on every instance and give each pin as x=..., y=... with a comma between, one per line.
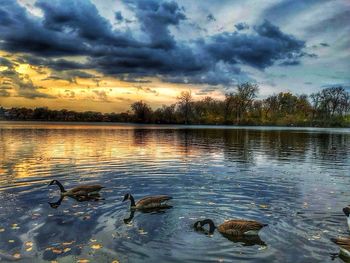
x=240, y=227
x=155, y=201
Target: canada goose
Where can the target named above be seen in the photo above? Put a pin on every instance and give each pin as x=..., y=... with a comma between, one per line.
x=148, y=202
x=344, y=245
x=346, y=211
x=235, y=227
x=79, y=191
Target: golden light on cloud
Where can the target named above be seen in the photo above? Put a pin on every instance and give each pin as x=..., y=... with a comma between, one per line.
x=84, y=90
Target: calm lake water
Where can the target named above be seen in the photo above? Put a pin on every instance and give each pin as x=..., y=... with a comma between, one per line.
x=295, y=180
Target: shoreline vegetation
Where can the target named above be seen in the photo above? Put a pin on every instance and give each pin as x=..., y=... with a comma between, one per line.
x=328, y=108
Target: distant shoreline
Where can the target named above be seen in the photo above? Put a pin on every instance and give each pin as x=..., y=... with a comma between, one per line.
x=327, y=108
x=161, y=125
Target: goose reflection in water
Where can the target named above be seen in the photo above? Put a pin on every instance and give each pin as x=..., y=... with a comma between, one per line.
x=146, y=211
x=95, y=197
x=245, y=240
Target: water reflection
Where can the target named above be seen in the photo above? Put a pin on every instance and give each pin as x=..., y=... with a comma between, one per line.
x=92, y=197
x=294, y=180
x=162, y=210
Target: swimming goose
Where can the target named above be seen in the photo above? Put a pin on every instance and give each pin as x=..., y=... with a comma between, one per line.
x=235, y=227
x=82, y=190
x=148, y=202
x=346, y=211
x=344, y=244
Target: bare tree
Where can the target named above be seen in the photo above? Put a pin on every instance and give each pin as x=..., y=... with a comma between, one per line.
x=142, y=111
x=185, y=102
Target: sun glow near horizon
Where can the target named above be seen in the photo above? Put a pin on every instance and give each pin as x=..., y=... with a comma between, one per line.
x=96, y=93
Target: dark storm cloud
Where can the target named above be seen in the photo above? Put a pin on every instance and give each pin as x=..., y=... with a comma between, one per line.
x=70, y=76
x=118, y=16
x=211, y=17
x=155, y=18
x=259, y=50
x=241, y=26
x=75, y=28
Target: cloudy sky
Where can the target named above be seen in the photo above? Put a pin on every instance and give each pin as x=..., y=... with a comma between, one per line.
x=105, y=54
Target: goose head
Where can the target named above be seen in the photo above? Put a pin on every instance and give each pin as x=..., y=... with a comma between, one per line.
x=53, y=182
x=126, y=197
x=199, y=225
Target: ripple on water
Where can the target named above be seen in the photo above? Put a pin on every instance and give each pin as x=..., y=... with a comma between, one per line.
x=294, y=181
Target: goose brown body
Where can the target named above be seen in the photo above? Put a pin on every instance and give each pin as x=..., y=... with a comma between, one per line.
x=240, y=227
x=148, y=202
x=152, y=201
x=344, y=244
x=83, y=190
x=234, y=227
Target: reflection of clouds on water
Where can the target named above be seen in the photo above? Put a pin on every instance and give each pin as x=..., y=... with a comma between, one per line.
x=293, y=180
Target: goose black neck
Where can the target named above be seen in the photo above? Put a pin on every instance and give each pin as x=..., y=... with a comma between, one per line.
x=61, y=187
x=211, y=225
x=132, y=200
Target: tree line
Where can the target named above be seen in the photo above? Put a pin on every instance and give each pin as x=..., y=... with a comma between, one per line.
x=328, y=108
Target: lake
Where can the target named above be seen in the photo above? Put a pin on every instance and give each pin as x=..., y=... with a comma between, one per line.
x=295, y=180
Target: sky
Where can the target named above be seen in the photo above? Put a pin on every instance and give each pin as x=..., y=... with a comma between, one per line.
x=103, y=55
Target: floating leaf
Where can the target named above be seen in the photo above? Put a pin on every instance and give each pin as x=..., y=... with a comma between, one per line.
x=78, y=213
x=96, y=246
x=17, y=255
x=28, y=244
x=68, y=243
x=15, y=226
x=263, y=206
x=83, y=260
x=66, y=249
x=57, y=251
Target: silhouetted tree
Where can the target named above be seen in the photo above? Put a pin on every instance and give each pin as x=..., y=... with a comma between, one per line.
x=185, y=105
x=329, y=107
x=142, y=112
